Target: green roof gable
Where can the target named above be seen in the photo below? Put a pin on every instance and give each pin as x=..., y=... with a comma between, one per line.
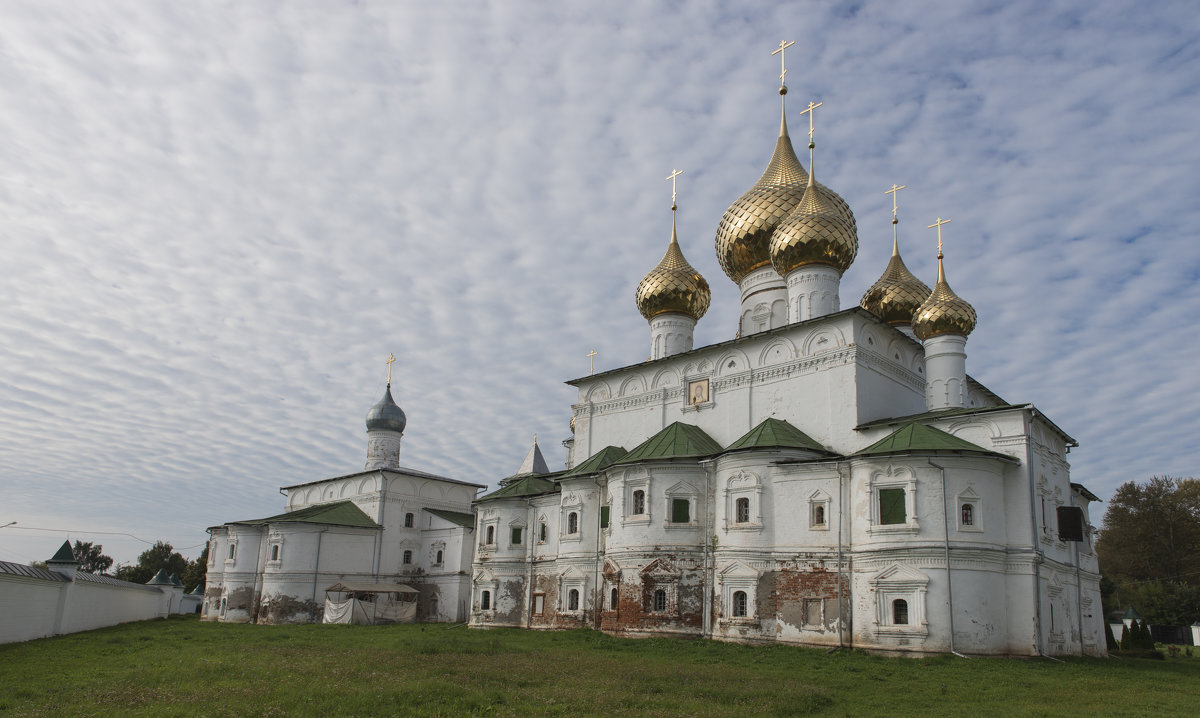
x=774, y=433
x=918, y=437
x=524, y=486
x=160, y=579
x=64, y=554
x=677, y=441
x=607, y=456
x=454, y=517
x=338, y=513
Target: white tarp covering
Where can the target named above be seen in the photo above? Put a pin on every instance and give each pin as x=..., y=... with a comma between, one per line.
x=385, y=603
x=348, y=611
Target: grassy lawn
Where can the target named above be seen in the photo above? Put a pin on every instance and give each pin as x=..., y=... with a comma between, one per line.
x=183, y=667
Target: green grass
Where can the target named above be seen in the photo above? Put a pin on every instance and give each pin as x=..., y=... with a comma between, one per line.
x=183, y=667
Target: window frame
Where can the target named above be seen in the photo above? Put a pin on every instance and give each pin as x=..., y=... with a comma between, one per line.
x=903, y=478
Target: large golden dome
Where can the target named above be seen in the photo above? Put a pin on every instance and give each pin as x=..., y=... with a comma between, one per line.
x=897, y=295
x=818, y=231
x=744, y=235
x=673, y=286
x=944, y=312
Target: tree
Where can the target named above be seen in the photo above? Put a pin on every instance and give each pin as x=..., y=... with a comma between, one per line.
x=90, y=557
x=196, y=571
x=1149, y=549
x=159, y=556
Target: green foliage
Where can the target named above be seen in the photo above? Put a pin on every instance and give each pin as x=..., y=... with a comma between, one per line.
x=1109, y=639
x=159, y=556
x=181, y=666
x=90, y=557
x=194, y=574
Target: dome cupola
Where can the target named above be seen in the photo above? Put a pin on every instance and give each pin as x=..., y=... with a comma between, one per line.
x=673, y=286
x=386, y=415
x=943, y=312
x=815, y=233
x=897, y=294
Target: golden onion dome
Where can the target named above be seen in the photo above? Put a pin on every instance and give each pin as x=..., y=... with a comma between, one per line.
x=818, y=231
x=673, y=286
x=744, y=235
x=944, y=312
x=897, y=295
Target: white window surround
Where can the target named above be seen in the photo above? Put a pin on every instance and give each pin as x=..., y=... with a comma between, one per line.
x=274, y=551
x=231, y=552
x=494, y=525
x=642, y=484
x=817, y=499
x=517, y=524
x=969, y=498
x=899, y=581
x=660, y=577
x=485, y=582
x=572, y=504
x=743, y=485
x=434, y=549
x=896, y=477
x=738, y=577
x=685, y=491
x=572, y=579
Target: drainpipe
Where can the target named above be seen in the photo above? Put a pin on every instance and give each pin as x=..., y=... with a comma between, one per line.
x=841, y=513
x=379, y=534
x=1079, y=596
x=1033, y=531
x=256, y=584
x=317, y=567
x=946, y=527
x=530, y=538
x=596, y=573
x=707, y=603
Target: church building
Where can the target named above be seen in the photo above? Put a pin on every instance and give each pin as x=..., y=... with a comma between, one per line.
x=829, y=476
x=384, y=525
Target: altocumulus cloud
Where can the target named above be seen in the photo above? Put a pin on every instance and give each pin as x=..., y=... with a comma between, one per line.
x=218, y=220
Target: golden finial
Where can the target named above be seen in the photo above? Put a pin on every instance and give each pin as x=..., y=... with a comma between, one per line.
x=591, y=362
x=782, y=52
x=672, y=176
x=939, y=224
x=390, y=360
x=535, y=438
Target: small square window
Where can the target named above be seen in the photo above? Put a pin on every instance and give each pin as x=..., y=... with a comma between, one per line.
x=680, y=511
x=891, y=506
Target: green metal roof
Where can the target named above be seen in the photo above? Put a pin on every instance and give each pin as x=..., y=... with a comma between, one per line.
x=677, y=441
x=607, y=456
x=338, y=513
x=938, y=414
x=160, y=579
x=454, y=517
x=524, y=486
x=64, y=554
x=775, y=433
x=918, y=437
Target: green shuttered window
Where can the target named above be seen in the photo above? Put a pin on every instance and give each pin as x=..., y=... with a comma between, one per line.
x=891, y=506
x=680, y=513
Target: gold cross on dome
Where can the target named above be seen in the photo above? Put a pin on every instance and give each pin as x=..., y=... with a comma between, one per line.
x=672, y=176
x=895, y=188
x=591, y=362
x=781, y=51
x=391, y=358
x=939, y=224
x=809, y=110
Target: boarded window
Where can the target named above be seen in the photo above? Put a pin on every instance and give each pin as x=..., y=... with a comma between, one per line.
x=660, y=600
x=485, y=600
x=572, y=523
x=900, y=612
x=812, y=612
x=832, y=612
x=603, y=517
x=639, y=502
x=516, y=534
x=739, y=604
x=680, y=511
x=539, y=604
x=742, y=511
x=408, y=521
x=573, y=600
x=891, y=506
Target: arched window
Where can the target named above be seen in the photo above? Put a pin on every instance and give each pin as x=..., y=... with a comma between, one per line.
x=660, y=600
x=819, y=515
x=968, y=515
x=485, y=600
x=491, y=535
x=639, y=502
x=408, y=521
x=572, y=523
x=408, y=557
x=439, y=558
x=742, y=510
x=900, y=612
x=275, y=552
x=612, y=602
x=542, y=532
x=739, y=604
x=573, y=600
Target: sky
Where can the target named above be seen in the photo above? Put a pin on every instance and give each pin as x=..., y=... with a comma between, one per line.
x=218, y=219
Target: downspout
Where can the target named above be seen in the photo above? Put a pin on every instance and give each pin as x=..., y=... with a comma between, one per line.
x=379, y=534
x=529, y=561
x=596, y=573
x=256, y=587
x=707, y=603
x=1033, y=531
x=1079, y=596
x=317, y=566
x=841, y=512
x=946, y=527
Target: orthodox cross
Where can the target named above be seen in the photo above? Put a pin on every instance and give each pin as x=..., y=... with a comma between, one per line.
x=939, y=224
x=783, y=46
x=809, y=111
x=896, y=188
x=391, y=358
x=672, y=176
x=591, y=362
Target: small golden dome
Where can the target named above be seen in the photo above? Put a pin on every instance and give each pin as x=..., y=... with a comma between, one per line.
x=744, y=235
x=944, y=312
x=817, y=232
x=897, y=295
x=673, y=286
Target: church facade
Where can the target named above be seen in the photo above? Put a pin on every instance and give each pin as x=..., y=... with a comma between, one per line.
x=384, y=525
x=829, y=477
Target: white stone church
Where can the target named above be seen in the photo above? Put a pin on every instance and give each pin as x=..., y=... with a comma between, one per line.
x=830, y=477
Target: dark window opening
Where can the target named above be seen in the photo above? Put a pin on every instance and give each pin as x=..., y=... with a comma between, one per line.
x=639, y=502
x=603, y=517
x=968, y=515
x=485, y=600
x=572, y=523
x=739, y=604
x=542, y=532
x=439, y=557
x=891, y=506
x=680, y=511
x=408, y=557
x=900, y=612
x=573, y=600
x=742, y=510
x=275, y=552
x=408, y=521
x=491, y=535
x=612, y=601
x=516, y=534
x=819, y=515
x=660, y=600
